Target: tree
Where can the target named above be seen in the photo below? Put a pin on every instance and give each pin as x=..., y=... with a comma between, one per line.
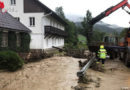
x=59, y=12
x=98, y=36
x=72, y=37
x=123, y=33
x=86, y=27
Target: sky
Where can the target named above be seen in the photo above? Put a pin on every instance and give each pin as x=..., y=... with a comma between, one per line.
x=79, y=8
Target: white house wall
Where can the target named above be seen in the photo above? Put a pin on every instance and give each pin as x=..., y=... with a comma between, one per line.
x=49, y=42
x=37, y=35
x=38, y=21
x=18, y=8
x=36, y=41
x=53, y=22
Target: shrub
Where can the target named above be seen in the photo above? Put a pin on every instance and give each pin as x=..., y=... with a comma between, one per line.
x=25, y=42
x=10, y=60
x=12, y=41
x=0, y=39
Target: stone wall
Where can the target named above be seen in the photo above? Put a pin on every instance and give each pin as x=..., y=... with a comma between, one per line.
x=38, y=54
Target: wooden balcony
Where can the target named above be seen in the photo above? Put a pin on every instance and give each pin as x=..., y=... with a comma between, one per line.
x=54, y=32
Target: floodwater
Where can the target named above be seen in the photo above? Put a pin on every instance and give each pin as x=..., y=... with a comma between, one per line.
x=56, y=73
x=115, y=77
x=59, y=73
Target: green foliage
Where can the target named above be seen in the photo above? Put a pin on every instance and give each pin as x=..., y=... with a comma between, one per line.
x=86, y=27
x=72, y=36
x=82, y=38
x=0, y=38
x=12, y=44
x=59, y=12
x=98, y=36
x=86, y=19
x=2, y=48
x=25, y=42
x=115, y=33
x=123, y=33
x=71, y=29
x=82, y=45
x=9, y=60
x=12, y=41
x=69, y=46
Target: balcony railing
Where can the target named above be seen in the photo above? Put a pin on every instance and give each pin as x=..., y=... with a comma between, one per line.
x=49, y=30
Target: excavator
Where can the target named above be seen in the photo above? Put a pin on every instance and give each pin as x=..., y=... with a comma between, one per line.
x=106, y=13
x=114, y=50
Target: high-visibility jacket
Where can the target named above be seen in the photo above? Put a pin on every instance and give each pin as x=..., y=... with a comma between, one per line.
x=102, y=53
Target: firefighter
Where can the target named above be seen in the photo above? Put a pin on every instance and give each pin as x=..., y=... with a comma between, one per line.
x=102, y=53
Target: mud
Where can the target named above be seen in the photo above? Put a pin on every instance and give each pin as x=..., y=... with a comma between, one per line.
x=115, y=77
x=57, y=73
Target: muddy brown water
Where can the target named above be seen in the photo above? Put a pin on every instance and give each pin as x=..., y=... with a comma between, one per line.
x=56, y=73
x=59, y=73
x=115, y=77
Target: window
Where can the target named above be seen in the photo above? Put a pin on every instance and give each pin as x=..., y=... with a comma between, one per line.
x=4, y=39
x=32, y=21
x=17, y=18
x=13, y=2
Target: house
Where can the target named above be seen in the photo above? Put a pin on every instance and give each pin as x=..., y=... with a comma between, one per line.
x=11, y=32
x=46, y=26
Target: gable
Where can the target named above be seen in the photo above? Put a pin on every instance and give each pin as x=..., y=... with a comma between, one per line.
x=31, y=6
x=35, y=6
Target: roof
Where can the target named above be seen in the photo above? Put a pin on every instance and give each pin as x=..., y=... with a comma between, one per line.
x=9, y=22
x=33, y=6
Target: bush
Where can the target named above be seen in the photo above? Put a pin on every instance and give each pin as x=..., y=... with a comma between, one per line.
x=68, y=46
x=12, y=41
x=0, y=39
x=25, y=42
x=10, y=60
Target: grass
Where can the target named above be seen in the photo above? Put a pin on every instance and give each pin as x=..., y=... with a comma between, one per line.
x=82, y=42
x=81, y=38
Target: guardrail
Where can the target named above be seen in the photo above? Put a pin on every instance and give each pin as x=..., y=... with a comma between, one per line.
x=81, y=73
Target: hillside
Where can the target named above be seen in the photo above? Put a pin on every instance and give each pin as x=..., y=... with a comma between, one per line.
x=101, y=26
x=82, y=38
x=104, y=27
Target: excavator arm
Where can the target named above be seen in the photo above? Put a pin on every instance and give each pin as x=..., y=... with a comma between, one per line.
x=104, y=14
x=128, y=5
x=109, y=11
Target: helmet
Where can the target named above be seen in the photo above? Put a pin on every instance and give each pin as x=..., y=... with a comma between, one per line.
x=101, y=46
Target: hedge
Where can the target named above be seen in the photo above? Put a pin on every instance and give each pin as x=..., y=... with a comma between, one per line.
x=25, y=42
x=0, y=38
x=12, y=44
x=12, y=38
x=10, y=61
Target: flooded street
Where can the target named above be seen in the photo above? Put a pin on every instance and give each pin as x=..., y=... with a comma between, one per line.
x=115, y=77
x=56, y=73
x=59, y=73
